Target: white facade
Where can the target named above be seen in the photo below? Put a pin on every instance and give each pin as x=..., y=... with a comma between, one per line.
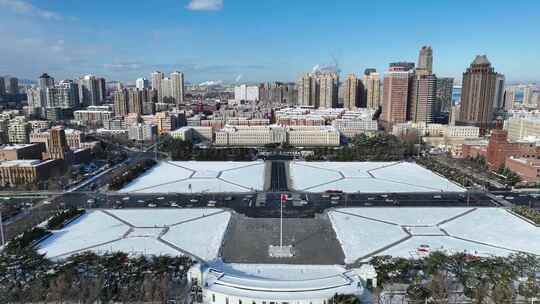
x=141, y=132
x=245, y=92
x=309, y=285
x=142, y=83
x=353, y=127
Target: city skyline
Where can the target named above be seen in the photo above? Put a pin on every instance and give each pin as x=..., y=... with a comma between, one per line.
x=206, y=39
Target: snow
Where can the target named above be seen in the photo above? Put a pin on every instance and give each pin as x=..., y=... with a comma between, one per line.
x=368, y=177
x=360, y=237
x=412, y=173
x=197, y=177
x=280, y=272
x=410, y=248
x=409, y=216
x=160, y=231
x=251, y=176
x=303, y=175
x=364, y=232
x=162, y=173
x=202, y=237
x=91, y=229
x=159, y=217
x=137, y=246
x=497, y=227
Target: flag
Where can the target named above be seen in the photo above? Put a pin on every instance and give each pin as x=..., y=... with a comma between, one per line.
x=283, y=197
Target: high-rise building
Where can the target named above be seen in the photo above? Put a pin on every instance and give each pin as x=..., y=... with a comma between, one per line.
x=166, y=90
x=13, y=86
x=177, y=86
x=372, y=87
x=444, y=94
x=142, y=83
x=157, y=78
x=425, y=60
x=396, y=94
x=353, y=93
x=19, y=132
x=306, y=86
x=57, y=144
x=89, y=91
x=121, y=103
x=135, y=101
x=528, y=92
x=328, y=90
x=65, y=95
x=2, y=86
x=101, y=89
x=247, y=93
x=498, y=102
x=46, y=81
x=423, y=98
x=478, y=94
x=509, y=98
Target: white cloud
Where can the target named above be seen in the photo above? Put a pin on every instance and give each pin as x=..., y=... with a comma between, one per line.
x=204, y=5
x=26, y=8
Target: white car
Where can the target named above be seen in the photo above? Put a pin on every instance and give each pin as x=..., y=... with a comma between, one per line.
x=160, y=198
x=174, y=205
x=125, y=198
x=152, y=205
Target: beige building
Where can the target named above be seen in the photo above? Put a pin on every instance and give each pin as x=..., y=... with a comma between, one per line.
x=19, y=132
x=353, y=91
x=250, y=136
x=372, y=87
x=523, y=127
x=25, y=172
x=18, y=152
x=307, y=136
x=73, y=138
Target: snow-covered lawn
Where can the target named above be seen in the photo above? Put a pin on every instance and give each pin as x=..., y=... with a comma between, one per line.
x=196, y=231
x=367, y=177
x=158, y=217
x=360, y=237
x=481, y=231
x=202, y=237
x=497, y=227
x=409, y=216
x=196, y=177
x=280, y=271
x=91, y=229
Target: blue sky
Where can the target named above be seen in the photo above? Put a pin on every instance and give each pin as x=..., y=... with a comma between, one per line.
x=262, y=40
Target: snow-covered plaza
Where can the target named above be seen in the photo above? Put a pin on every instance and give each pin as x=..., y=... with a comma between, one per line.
x=367, y=177
x=142, y=231
x=416, y=232
x=200, y=177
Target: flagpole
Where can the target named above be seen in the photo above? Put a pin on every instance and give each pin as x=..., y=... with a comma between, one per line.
x=2, y=230
x=281, y=223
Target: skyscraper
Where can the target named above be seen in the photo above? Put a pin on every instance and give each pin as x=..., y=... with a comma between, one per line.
x=478, y=94
x=177, y=86
x=89, y=91
x=101, y=89
x=142, y=83
x=372, y=85
x=423, y=98
x=444, y=94
x=57, y=143
x=2, y=86
x=65, y=95
x=13, y=86
x=135, y=105
x=328, y=90
x=166, y=90
x=157, y=78
x=121, y=103
x=498, y=102
x=396, y=94
x=353, y=93
x=425, y=59
x=305, y=90
x=46, y=81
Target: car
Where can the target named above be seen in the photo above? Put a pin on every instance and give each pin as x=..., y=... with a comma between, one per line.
x=325, y=195
x=335, y=198
x=193, y=200
x=125, y=198
x=140, y=201
x=509, y=197
x=152, y=205
x=46, y=203
x=174, y=205
x=228, y=198
x=437, y=196
x=211, y=203
x=384, y=195
x=160, y=198
x=370, y=198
